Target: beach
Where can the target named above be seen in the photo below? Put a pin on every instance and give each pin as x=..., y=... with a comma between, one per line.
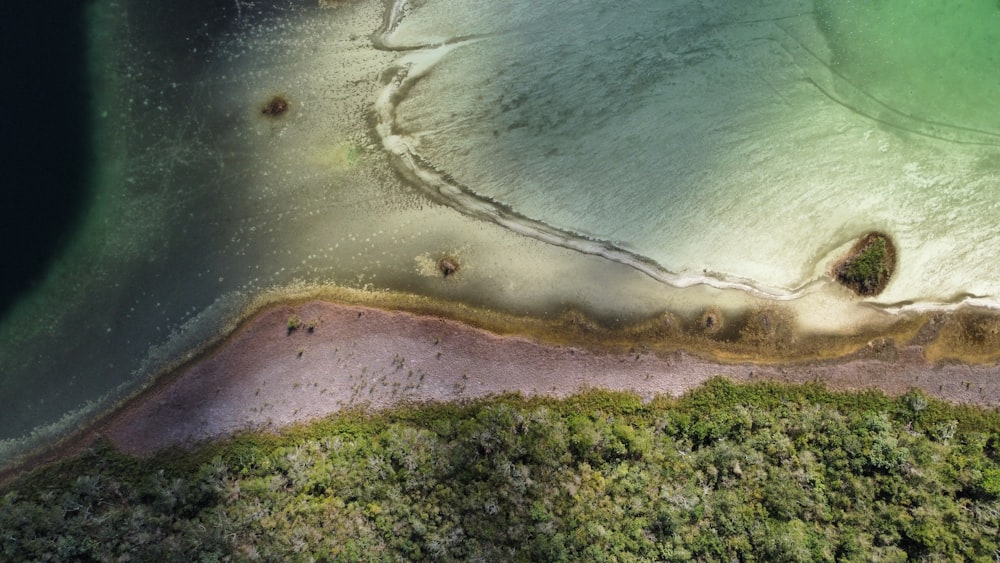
x=268, y=375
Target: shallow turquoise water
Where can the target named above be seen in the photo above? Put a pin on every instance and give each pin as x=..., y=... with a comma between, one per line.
x=741, y=142
x=682, y=143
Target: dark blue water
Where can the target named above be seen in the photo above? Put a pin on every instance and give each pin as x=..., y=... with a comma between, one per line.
x=44, y=116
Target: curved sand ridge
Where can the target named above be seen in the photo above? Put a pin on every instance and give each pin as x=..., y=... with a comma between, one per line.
x=342, y=356
x=439, y=186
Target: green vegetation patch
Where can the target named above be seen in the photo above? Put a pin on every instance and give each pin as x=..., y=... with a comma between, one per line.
x=868, y=267
x=729, y=472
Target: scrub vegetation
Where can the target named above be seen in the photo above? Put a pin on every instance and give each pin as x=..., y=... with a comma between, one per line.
x=869, y=265
x=751, y=473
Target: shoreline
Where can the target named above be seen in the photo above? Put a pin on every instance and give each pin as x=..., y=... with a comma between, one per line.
x=375, y=351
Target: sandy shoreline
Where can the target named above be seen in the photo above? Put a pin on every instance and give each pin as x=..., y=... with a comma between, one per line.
x=267, y=376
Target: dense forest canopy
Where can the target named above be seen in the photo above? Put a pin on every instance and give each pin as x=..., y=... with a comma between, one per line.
x=761, y=472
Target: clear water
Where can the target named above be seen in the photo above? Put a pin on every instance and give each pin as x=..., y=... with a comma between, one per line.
x=559, y=149
x=740, y=142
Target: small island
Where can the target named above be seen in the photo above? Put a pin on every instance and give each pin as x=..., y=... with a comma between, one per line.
x=868, y=267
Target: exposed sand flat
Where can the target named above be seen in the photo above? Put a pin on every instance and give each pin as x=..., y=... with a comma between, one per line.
x=267, y=376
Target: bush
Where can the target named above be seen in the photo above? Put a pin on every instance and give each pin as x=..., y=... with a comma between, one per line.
x=753, y=473
x=869, y=265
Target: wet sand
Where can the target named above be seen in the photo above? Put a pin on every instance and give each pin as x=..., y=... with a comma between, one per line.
x=266, y=376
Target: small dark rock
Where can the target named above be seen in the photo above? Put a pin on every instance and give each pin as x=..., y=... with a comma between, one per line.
x=447, y=266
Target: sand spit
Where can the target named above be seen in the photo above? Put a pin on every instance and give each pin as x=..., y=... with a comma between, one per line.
x=274, y=372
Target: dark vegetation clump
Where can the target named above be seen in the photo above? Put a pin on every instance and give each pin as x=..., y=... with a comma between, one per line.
x=869, y=266
x=447, y=266
x=763, y=472
x=275, y=107
x=711, y=321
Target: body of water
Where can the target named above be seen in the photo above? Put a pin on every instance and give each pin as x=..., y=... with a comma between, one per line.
x=598, y=155
x=728, y=144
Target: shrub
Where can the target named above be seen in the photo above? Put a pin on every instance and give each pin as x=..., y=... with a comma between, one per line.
x=868, y=266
